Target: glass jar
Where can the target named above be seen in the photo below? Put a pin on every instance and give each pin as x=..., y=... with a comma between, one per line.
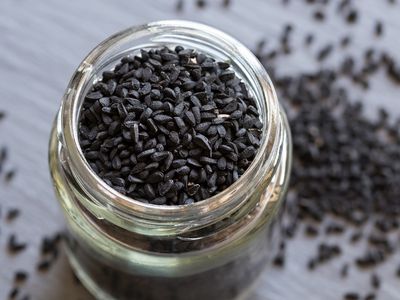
x=214, y=249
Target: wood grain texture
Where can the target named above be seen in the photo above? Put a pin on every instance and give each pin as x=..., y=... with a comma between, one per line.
x=42, y=42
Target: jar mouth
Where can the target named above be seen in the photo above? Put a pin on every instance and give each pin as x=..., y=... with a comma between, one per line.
x=205, y=36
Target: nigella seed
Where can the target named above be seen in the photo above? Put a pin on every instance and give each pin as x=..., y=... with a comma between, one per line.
x=13, y=293
x=149, y=191
x=202, y=142
x=20, y=276
x=12, y=214
x=192, y=189
x=375, y=281
x=351, y=296
x=14, y=246
x=43, y=266
x=155, y=177
x=162, y=116
x=9, y=175
x=189, y=117
x=165, y=187
x=344, y=271
x=134, y=179
x=370, y=296
x=159, y=156
x=184, y=170
x=159, y=201
x=174, y=137
x=378, y=28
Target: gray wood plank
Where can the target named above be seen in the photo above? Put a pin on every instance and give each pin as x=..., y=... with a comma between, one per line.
x=42, y=42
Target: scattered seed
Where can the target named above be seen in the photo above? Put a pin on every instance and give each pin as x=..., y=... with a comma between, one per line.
x=20, y=276
x=12, y=214
x=15, y=246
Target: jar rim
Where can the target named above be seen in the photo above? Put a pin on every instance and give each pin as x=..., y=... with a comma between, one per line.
x=129, y=207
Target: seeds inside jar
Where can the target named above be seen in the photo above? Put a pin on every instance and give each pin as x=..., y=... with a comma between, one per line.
x=169, y=127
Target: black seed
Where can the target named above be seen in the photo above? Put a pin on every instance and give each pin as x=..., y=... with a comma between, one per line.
x=165, y=187
x=375, y=281
x=134, y=179
x=174, y=137
x=161, y=108
x=162, y=118
x=352, y=17
x=370, y=296
x=324, y=52
x=20, y=276
x=159, y=201
x=14, y=246
x=13, y=293
x=227, y=75
x=351, y=296
x=378, y=28
x=183, y=170
x=189, y=117
x=9, y=175
x=43, y=266
x=279, y=260
x=146, y=153
x=208, y=160
x=309, y=39
x=12, y=214
x=202, y=142
x=344, y=271
x=155, y=177
x=319, y=15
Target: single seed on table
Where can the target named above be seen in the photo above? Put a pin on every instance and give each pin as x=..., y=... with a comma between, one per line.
x=370, y=296
x=20, y=276
x=378, y=28
x=9, y=175
x=12, y=214
x=15, y=246
x=44, y=265
x=319, y=15
x=344, y=271
x=352, y=17
x=375, y=281
x=351, y=296
x=13, y=293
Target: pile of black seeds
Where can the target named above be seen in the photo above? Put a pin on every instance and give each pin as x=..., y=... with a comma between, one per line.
x=169, y=126
x=346, y=167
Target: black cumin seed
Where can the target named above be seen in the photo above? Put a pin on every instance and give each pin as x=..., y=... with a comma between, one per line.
x=370, y=296
x=279, y=260
x=309, y=39
x=12, y=214
x=378, y=28
x=14, y=246
x=344, y=271
x=13, y=293
x=351, y=296
x=43, y=266
x=319, y=15
x=9, y=175
x=20, y=276
x=375, y=281
x=352, y=16
x=136, y=125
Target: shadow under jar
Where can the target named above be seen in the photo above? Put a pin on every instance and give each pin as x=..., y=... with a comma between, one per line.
x=213, y=249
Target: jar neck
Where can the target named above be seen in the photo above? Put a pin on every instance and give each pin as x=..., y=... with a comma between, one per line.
x=102, y=200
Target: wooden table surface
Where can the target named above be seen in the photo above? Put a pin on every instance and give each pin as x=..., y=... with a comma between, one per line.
x=42, y=42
